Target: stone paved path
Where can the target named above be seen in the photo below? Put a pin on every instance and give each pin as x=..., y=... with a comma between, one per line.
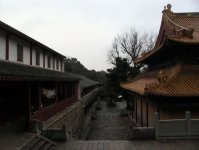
x=131, y=145
x=109, y=125
x=110, y=131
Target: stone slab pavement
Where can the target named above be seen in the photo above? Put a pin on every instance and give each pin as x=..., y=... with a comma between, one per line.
x=131, y=145
x=110, y=132
x=108, y=124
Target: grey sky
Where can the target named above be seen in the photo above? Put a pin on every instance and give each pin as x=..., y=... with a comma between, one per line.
x=84, y=29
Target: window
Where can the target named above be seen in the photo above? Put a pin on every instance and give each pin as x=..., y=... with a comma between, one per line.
x=19, y=53
x=37, y=58
x=49, y=62
x=57, y=63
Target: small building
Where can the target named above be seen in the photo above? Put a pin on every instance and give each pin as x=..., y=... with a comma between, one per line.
x=33, y=85
x=170, y=85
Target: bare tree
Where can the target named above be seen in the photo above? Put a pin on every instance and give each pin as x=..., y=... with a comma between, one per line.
x=130, y=45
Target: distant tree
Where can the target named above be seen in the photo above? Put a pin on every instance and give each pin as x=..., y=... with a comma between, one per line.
x=130, y=45
x=120, y=72
x=74, y=66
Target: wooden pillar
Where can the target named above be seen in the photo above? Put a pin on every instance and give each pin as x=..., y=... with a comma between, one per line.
x=147, y=114
x=28, y=111
x=141, y=115
x=136, y=113
x=56, y=92
x=76, y=91
x=40, y=103
x=158, y=110
x=30, y=54
x=7, y=46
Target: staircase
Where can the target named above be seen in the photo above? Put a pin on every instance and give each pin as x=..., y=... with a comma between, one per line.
x=39, y=143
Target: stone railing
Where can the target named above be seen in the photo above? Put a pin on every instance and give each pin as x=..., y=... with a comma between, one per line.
x=89, y=97
x=176, y=128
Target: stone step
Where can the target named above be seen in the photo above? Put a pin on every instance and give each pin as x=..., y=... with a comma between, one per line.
x=30, y=144
x=39, y=143
x=46, y=146
x=94, y=145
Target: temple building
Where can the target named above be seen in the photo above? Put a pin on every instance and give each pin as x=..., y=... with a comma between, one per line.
x=33, y=85
x=170, y=84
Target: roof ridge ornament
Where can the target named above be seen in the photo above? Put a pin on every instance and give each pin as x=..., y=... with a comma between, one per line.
x=167, y=9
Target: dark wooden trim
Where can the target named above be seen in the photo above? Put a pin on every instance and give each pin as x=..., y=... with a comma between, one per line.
x=7, y=46
x=30, y=54
x=141, y=114
x=44, y=59
x=147, y=114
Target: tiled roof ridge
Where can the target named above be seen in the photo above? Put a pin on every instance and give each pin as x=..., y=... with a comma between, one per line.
x=168, y=19
x=187, y=14
x=17, y=71
x=169, y=75
x=179, y=33
x=190, y=42
x=148, y=53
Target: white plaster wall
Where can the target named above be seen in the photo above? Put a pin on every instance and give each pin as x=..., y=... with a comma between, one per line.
x=13, y=41
x=2, y=45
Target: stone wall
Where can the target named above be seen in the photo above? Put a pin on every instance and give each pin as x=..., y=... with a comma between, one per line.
x=142, y=133
x=72, y=120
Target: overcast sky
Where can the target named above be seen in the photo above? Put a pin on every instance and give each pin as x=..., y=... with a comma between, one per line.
x=84, y=29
